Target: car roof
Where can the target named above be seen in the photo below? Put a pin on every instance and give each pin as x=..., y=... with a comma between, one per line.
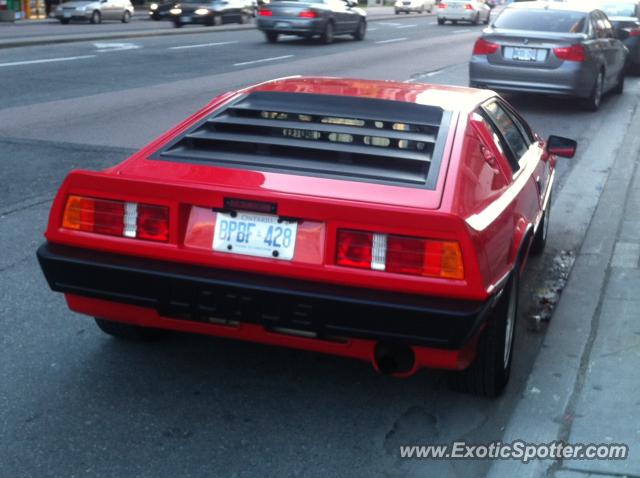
x=451, y=98
x=569, y=6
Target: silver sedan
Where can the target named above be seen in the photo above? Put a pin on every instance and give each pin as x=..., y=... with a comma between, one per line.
x=554, y=48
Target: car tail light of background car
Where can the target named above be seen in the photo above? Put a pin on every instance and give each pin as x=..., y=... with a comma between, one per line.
x=570, y=53
x=117, y=218
x=308, y=14
x=634, y=32
x=442, y=5
x=265, y=12
x=468, y=6
x=399, y=254
x=484, y=47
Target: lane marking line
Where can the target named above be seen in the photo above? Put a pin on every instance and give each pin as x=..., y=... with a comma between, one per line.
x=107, y=47
x=406, y=26
x=393, y=24
x=371, y=29
x=48, y=60
x=262, y=60
x=461, y=31
x=392, y=40
x=201, y=45
x=434, y=73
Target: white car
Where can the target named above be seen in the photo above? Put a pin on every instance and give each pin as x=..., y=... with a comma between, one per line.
x=420, y=6
x=95, y=11
x=474, y=11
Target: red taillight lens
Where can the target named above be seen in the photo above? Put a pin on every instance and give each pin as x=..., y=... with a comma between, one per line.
x=354, y=248
x=468, y=6
x=116, y=218
x=484, y=47
x=153, y=223
x=634, y=32
x=570, y=53
x=308, y=14
x=442, y=5
x=400, y=254
x=405, y=255
x=265, y=12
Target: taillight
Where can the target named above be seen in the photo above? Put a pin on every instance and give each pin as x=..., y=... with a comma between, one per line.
x=116, y=218
x=442, y=5
x=634, y=32
x=570, y=53
x=308, y=14
x=484, y=47
x=354, y=249
x=265, y=12
x=468, y=6
x=400, y=254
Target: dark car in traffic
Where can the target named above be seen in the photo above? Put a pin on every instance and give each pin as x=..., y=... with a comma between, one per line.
x=567, y=49
x=308, y=19
x=160, y=10
x=212, y=12
x=625, y=15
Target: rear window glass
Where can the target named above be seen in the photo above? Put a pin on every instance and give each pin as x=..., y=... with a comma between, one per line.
x=619, y=9
x=554, y=21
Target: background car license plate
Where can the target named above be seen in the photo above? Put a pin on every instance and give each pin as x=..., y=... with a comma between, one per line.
x=254, y=234
x=282, y=24
x=185, y=19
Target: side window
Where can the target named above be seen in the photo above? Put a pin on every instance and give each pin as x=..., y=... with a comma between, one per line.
x=511, y=132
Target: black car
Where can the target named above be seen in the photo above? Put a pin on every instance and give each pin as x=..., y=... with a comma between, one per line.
x=212, y=12
x=322, y=18
x=160, y=10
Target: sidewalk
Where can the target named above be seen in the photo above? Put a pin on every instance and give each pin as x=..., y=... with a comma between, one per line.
x=585, y=383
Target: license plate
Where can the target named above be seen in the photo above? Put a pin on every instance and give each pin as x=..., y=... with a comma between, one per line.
x=67, y=15
x=185, y=19
x=524, y=54
x=254, y=234
x=282, y=24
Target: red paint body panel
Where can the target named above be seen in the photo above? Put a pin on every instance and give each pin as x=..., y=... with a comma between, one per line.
x=476, y=202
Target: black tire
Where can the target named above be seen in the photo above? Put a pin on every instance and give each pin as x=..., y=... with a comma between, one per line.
x=64, y=21
x=123, y=331
x=540, y=239
x=177, y=24
x=272, y=37
x=361, y=31
x=126, y=17
x=397, y=12
x=619, y=88
x=441, y=21
x=244, y=18
x=486, y=21
x=489, y=373
x=454, y=22
x=476, y=19
x=326, y=36
x=96, y=17
x=595, y=98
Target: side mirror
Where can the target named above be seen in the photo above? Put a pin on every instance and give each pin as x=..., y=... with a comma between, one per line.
x=560, y=146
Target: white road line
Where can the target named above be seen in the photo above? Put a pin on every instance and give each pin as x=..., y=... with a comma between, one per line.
x=461, y=31
x=371, y=29
x=201, y=45
x=406, y=26
x=108, y=47
x=434, y=73
x=392, y=40
x=48, y=60
x=433, y=23
x=393, y=24
x=262, y=60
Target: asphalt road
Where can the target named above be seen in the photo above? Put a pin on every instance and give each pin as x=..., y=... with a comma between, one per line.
x=74, y=402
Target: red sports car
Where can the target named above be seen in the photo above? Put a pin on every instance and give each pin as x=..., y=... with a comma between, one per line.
x=383, y=221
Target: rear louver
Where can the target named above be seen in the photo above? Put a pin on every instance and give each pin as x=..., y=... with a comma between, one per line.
x=319, y=135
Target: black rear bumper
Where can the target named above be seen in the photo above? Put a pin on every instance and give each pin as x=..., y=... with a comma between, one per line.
x=197, y=293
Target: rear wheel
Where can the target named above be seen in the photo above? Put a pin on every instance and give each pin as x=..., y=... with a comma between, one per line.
x=96, y=17
x=593, y=102
x=272, y=37
x=127, y=331
x=360, y=31
x=441, y=21
x=489, y=373
x=126, y=17
x=327, y=35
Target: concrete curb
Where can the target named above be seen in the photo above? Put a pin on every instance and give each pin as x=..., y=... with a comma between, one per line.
x=545, y=412
x=49, y=40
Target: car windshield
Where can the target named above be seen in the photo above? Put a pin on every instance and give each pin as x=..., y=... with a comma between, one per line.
x=619, y=9
x=554, y=21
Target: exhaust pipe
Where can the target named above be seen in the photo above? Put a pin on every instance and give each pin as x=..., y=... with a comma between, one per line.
x=393, y=358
